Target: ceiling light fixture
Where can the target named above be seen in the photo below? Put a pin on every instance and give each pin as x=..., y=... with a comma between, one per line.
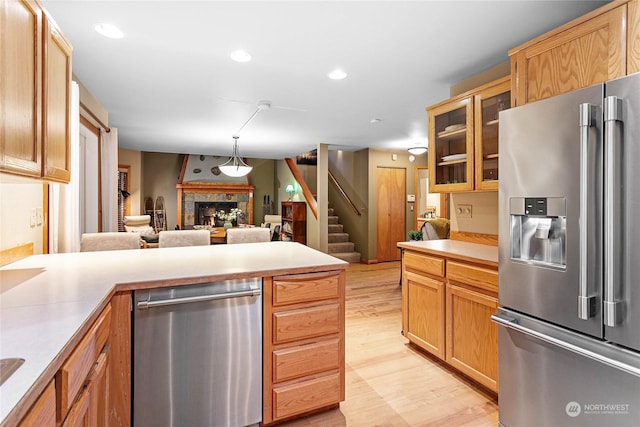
x=109, y=30
x=240, y=56
x=235, y=166
x=337, y=74
x=417, y=150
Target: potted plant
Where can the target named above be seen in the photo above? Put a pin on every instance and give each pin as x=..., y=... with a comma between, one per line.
x=415, y=235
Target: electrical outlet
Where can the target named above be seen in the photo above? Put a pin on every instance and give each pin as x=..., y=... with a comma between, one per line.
x=33, y=217
x=464, y=211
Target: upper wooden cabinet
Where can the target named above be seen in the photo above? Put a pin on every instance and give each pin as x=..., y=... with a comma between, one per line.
x=463, y=135
x=599, y=46
x=35, y=93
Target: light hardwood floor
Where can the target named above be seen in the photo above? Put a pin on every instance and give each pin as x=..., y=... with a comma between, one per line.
x=389, y=382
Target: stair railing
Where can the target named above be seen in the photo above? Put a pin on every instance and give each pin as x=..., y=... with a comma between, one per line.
x=308, y=195
x=344, y=194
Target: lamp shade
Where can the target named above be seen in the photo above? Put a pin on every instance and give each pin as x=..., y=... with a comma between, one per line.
x=417, y=150
x=289, y=188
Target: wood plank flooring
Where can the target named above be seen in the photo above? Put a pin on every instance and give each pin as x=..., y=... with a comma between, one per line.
x=389, y=382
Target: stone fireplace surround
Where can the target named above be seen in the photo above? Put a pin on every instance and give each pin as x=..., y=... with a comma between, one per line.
x=192, y=192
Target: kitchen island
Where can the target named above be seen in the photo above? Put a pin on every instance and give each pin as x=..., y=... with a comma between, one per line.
x=51, y=304
x=449, y=292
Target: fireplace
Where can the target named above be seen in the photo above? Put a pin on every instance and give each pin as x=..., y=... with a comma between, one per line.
x=204, y=212
x=198, y=201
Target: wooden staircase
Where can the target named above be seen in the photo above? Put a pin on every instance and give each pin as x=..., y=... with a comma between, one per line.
x=339, y=244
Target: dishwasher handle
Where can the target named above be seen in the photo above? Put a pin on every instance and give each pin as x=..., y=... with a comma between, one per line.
x=199, y=298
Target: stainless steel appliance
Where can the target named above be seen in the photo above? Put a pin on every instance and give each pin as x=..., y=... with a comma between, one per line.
x=569, y=264
x=197, y=355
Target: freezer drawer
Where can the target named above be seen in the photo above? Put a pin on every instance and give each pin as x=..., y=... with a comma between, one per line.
x=553, y=377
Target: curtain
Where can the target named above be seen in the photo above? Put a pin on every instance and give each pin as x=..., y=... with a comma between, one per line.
x=64, y=199
x=109, y=178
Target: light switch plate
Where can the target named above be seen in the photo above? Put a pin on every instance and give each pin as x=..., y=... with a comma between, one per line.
x=464, y=211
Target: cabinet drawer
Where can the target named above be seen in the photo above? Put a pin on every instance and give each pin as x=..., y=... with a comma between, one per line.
x=305, y=287
x=425, y=263
x=43, y=412
x=481, y=277
x=309, y=322
x=305, y=396
x=74, y=371
x=307, y=359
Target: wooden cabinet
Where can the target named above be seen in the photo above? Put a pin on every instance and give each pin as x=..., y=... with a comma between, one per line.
x=294, y=222
x=303, y=343
x=82, y=381
x=450, y=126
x=43, y=411
x=472, y=338
x=464, y=131
x=488, y=103
x=446, y=310
x=34, y=93
x=588, y=50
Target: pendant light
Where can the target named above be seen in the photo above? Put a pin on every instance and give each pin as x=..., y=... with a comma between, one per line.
x=235, y=166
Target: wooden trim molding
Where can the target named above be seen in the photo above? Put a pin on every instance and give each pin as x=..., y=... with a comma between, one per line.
x=15, y=253
x=465, y=236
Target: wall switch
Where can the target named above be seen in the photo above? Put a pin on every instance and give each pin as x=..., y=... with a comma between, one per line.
x=464, y=211
x=38, y=216
x=33, y=217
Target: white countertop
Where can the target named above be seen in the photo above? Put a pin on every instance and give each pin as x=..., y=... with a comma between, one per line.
x=46, y=299
x=466, y=251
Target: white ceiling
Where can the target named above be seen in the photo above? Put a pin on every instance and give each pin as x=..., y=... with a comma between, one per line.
x=165, y=83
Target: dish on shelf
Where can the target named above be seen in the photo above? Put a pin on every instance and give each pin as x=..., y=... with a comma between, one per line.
x=455, y=127
x=452, y=157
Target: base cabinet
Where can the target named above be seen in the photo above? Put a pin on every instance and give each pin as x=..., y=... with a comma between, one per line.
x=303, y=343
x=447, y=307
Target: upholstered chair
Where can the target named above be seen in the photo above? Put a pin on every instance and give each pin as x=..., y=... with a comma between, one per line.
x=109, y=241
x=175, y=238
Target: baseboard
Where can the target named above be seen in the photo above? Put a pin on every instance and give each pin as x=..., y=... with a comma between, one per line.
x=465, y=236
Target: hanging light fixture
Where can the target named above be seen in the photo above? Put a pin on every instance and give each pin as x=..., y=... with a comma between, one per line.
x=417, y=150
x=235, y=166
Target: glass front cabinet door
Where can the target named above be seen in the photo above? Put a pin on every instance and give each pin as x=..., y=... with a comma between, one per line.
x=451, y=146
x=463, y=139
x=488, y=104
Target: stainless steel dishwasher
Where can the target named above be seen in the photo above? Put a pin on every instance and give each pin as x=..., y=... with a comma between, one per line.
x=197, y=355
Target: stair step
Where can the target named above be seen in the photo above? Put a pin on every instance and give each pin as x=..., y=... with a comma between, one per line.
x=341, y=247
x=338, y=237
x=332, y=219
x=348, y=256
x=335, y=228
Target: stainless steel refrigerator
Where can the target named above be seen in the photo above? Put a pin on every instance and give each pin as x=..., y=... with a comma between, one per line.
x=569, y=259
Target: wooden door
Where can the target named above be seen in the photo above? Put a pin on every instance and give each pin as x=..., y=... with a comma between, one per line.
x=391, y=215
x=20, y=87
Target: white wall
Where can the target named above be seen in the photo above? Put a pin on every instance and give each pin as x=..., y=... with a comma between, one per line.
x=17, y=197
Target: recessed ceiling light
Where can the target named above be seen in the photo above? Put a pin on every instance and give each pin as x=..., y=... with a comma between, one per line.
x=337, y=74
x=109, y=30
x=375, y=120
x=240, y=56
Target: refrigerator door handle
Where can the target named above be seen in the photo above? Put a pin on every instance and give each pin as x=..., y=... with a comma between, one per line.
x=586, y=302
x=612, y=309
x=512, y=323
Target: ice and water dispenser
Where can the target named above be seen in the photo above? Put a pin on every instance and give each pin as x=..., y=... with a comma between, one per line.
x=538, y=230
